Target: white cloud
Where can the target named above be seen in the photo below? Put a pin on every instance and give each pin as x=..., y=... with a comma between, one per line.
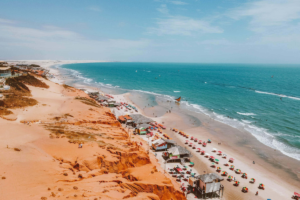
x=178, y=25
x=266, y=14
x=52, y=42
x=94, y=8
x=163, y=9
x=178, y=2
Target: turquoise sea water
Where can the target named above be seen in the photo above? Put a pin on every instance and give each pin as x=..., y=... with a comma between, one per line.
x=262, y=99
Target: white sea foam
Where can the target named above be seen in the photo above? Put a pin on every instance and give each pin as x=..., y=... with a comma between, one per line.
x=148, y=71
x=260, y=134
x=247, y=114
x=279, y=95
x=176, y=91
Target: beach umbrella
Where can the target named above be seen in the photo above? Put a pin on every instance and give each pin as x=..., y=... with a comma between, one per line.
x=219, y=168
x=232, y=166
x=229, y=177
x=191, y=164
x=207, y=154
x=231, y=159
x=211, y=157
x=199, y=149
x=220, y=152
x=185, y=166
x=217, y=160
x=214, y=149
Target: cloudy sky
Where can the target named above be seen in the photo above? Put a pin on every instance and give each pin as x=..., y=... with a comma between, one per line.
x=215, y=31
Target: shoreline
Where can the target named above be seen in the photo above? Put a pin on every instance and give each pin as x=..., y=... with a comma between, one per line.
x=271, y=173
x=242, y=144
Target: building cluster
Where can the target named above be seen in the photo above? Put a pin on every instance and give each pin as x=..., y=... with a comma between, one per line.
x=13, y=70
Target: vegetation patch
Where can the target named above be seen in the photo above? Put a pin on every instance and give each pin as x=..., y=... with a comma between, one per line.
x=29, y=80
x=89, y=102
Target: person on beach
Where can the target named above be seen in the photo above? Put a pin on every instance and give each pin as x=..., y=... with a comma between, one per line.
x=253, y=162
x=256, y=193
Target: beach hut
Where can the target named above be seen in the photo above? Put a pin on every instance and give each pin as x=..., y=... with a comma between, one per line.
x=163, y=144
x=208, y=184
x=178, y=152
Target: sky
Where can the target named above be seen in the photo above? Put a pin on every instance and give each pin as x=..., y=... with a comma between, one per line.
x=195, y=31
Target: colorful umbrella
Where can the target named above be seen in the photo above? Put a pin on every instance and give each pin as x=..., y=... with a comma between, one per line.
x=217, y=160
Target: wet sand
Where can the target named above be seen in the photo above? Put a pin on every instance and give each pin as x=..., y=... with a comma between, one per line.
x=280, y=173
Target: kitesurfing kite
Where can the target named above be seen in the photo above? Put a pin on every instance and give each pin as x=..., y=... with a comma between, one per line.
x=178, y=100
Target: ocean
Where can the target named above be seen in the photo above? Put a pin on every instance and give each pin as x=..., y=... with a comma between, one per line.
x=261, y=99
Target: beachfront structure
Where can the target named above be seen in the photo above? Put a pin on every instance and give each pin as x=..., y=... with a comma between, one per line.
x=124, y=118
x=208, y=185
x=177, y=153
x=101, y=98
x=140, y=119
x=142, y=129
x=163, y=144
x=5, y=70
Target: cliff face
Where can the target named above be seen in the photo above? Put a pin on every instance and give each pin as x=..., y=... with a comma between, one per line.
x=107, y=152
x=50, y=165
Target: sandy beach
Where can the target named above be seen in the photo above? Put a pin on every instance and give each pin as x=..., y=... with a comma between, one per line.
x=243, y=147
x=53, y=155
